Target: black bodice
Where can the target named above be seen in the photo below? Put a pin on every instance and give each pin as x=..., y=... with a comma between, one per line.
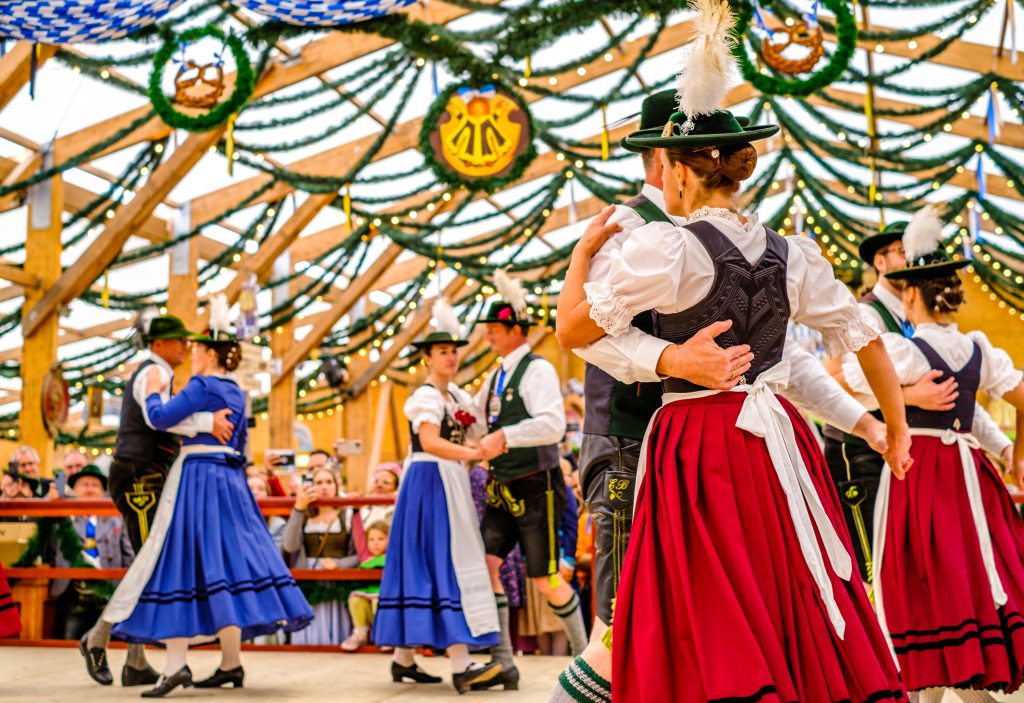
x=451, y=430
x=753, y=296
x=968, y=378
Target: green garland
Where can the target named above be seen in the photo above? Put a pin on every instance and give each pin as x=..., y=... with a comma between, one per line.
x=448, y=175
x=62, y=534
x=245, y=82
x=846, y=38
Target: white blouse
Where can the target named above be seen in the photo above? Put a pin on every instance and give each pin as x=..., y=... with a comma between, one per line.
x=998, y=374
x=426, y=404
x=663, y=267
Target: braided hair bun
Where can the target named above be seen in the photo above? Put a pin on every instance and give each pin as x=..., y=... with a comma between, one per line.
x=941, y=295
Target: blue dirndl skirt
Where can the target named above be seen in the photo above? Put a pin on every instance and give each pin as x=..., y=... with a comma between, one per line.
x=218, y=567
x=420, y=603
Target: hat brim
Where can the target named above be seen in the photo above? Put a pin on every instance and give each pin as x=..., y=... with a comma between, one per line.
x=426, y=345
x=697, y=141
x=920, y=273
x=174, y=334
x=74, y=479
x=869, y=246
x=207, y=339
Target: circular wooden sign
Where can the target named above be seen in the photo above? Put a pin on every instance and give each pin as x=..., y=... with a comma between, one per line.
x=56, y=400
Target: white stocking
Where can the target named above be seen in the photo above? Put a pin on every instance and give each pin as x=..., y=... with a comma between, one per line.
x=177, y=649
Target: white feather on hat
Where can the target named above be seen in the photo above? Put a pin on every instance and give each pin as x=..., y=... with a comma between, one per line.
x=220, y=319
x=709, y=67
x=445, y=317
x=141, y=323
x=511, y=291
x=924, y=233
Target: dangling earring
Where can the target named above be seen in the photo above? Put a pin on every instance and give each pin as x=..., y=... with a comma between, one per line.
x=680, y=192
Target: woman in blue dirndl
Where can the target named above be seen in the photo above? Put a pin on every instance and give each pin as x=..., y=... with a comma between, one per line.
x=209, y=567
x=436, y=590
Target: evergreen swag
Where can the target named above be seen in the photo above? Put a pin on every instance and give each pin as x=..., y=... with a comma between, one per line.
x=61, y=533
x=245, y=81
x=769, y=84
x=448, y=175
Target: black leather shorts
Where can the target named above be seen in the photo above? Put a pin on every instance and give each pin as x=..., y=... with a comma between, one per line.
x=608, y=479
x=856, y=470
x=517, y=512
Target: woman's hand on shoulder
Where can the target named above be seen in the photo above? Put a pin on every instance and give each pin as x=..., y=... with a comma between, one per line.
x=156, y=380
x=597, y=233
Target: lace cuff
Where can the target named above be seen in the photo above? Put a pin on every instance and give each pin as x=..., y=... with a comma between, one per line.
x=609, y=312
x=855, y=334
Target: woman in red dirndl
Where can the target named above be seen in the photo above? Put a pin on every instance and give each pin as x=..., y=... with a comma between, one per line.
x=737, y=580
x=949, y=544
x=10, y=620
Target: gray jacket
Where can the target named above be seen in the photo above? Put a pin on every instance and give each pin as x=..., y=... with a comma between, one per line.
x=112, y=543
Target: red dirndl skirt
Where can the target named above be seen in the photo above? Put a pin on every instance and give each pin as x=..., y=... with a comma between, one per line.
x=945, y=627
x=716, y=602
x=10, y=620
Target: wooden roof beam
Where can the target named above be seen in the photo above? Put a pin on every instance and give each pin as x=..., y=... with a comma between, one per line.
x=334, y=50
x=406, y=134
x=80, y=275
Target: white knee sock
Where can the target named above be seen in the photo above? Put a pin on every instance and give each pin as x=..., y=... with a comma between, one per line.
x=230, y=648
x=177, y=649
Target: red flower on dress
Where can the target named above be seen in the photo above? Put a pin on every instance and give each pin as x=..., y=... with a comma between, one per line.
x=464, y=418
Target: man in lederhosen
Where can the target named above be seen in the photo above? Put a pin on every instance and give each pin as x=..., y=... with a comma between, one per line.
x=526, y=492
x=142, y=458
x=856, y=468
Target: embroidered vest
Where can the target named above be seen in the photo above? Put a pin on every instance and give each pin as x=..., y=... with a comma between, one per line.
x=136, y=441
x=450, y=429
x=518, y=461
x=968, y=378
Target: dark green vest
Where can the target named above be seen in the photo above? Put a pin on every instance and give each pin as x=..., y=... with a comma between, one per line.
x=890, y=321
x=615, y=409
x=518, y=461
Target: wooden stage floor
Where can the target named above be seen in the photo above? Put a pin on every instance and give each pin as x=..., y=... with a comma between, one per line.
x=57, y=675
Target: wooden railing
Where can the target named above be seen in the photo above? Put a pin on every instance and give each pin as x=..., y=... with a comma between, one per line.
x=31, y=585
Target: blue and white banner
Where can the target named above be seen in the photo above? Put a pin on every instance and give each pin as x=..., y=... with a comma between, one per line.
x=79, y=21
x=322, y=13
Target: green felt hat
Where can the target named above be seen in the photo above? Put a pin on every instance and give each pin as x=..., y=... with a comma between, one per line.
x=655, y=132
x=439, y=338
x=720, y=128
x=655, y=111
x=869, y=246
x=166, y=327
x=89, y=470
x=504, y=313
x=937, y=264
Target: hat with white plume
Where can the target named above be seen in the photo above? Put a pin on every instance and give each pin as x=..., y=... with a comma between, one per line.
x=512, y=308
x=448, y=329
x=709, y=69
x=922, y=242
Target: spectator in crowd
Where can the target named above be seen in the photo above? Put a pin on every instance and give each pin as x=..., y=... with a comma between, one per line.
x=385, y=484
x=362, y=603
x=104, y=545
x=27, y=461
x=271, y=460
x=14, y=486
x=319, y=538
x=275, y=523
x=319, y=459
x=74, y=461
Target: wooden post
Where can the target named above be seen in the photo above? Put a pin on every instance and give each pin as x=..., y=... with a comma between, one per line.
x=31, y=594
x=282, y=390
x=39, y=350
x=183, y=284
x=380, y=428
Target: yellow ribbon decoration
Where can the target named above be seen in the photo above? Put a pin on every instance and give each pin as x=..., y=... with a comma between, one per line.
x=605, y=146
x=528, y=71
x=229, y=144
x=105, y=295
x=346, y=205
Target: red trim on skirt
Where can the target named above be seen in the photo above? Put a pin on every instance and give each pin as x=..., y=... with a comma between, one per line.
x=10, y=619
x=716, y=603
x=945, y=627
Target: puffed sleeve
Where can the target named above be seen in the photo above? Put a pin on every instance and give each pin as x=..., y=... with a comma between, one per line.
x=643, y=276
x=907, y=359
x=820, y=301
x=424, y=405
x=998, y=374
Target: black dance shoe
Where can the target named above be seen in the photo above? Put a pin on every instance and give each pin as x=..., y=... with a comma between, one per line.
x=168, y=683
x=508, y=679
x=130, y=676
x=400, y=673
x=220, y=677
x=475, y=674
x=95, y=662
